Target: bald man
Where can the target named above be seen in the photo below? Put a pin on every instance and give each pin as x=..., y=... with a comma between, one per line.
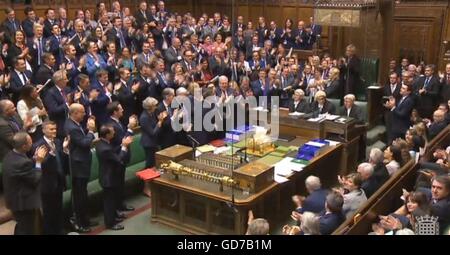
x=439, y=124
x=80, y=158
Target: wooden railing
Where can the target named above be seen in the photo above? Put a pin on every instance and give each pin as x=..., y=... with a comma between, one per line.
x=387, y=198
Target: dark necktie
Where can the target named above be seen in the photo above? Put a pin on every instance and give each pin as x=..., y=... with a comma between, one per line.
x=24, y=77
x=122, y=39
x=14, y=25
x=427, y=81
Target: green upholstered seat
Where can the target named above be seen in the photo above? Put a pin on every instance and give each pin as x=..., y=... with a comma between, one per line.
x=335, y=102
x=369, y=76
x=363, y=106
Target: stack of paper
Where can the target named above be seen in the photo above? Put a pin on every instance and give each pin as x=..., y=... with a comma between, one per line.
x=331, y=117
x=206, y=148
x=280, y=179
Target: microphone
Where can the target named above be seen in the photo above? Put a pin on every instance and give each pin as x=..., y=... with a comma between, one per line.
x=192, y=139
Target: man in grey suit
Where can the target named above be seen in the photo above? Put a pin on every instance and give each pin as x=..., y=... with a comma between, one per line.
x=145, y=56
x=173, y=54
x=10, y=124
x=21, y=181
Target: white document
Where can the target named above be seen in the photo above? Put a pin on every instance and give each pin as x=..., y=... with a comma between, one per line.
x=280, y=179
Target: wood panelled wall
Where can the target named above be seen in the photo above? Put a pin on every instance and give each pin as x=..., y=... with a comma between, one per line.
x=415, y=29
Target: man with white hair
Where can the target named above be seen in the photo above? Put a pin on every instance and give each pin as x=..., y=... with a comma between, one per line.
x=349, y=109
x=380, y=172
x=369, y=184
x=315, y=202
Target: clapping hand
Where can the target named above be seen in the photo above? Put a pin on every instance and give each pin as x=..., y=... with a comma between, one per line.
x=135, y=87
x=127, y=141
x=40, y=154
x=132, y=122
x=66, y=142
x=93, y=94
x=162, y=115
x=4, y=79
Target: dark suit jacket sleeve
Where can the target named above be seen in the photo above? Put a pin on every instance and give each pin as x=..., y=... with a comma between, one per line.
x=7, y=134
x=79, y=139
x=110, y=156
x=404, y=110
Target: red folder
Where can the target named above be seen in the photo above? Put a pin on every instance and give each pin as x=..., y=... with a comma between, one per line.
x=217, y=143
x=148, y=174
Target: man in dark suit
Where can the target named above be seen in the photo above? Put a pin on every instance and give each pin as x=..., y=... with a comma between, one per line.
x=125, y=91
x=79, y=38
x=349, y=109
x=21, y=182
x=72, y=65
x=117, y=34
x=10, y=25
x=426, y=90
x=45, y=73
x=121, y=131
x=315, y=201
x=111, y=163
x=28, y=23
x=287, y=86
x=167, y=135
x=275, y=34
x=239, y=24
x=56, y=102
x=332, y=217
x=98, y=106
x=260, y=88
x=50, y=20
x=187, y=63
x=80, y=158
x=38, y=46
x=440, y=200
x=401, y=111
x=370, y=184
x=56, y=45
x=10, y=124
x=393, y=88
x=84, y=95
x=439, y=123
x=20, y=77
x=142, y=15
x=52, y=180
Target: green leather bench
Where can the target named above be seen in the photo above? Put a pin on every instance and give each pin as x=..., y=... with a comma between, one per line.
x=137, y=163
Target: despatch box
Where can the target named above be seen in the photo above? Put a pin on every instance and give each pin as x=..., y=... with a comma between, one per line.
x=254, y=176
x=175, y=153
